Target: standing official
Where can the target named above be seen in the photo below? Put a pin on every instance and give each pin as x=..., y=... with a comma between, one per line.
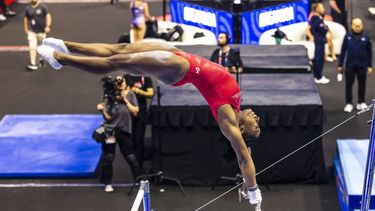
x=319, y=31
x=37, y=23
x=356, y=53
x=339, y=11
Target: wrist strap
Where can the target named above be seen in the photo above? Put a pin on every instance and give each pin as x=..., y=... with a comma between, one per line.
x=253, y=188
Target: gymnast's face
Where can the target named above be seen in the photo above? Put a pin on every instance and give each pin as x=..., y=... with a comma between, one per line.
x=249, y=124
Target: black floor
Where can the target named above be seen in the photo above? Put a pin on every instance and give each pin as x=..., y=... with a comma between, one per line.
x=71, y=91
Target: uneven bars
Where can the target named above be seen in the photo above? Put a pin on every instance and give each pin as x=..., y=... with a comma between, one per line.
x=369, y=174
x=146, y=196
x=140, y=196
x=138, y=200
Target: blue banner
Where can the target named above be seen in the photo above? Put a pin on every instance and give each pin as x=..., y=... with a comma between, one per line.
x=203, y=17
x=255, y=22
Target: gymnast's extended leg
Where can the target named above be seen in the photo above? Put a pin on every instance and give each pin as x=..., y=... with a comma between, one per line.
x=163, y=65
x=104, y=49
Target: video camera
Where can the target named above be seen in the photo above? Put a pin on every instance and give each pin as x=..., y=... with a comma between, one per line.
x=110, y=88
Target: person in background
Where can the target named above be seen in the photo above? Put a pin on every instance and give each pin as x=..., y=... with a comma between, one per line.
x=328, y=56
x=356, y=53
x=5, y=11
x=37, y=23
x=118, y=128
x=339, y=12
x=140, y=13
x=143, y=88
x=319, y=31
x=225, y=55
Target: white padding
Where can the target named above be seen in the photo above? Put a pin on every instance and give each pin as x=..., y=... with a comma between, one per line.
x=138, y=200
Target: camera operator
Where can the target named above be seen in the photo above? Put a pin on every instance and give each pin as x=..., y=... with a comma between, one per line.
x=117, y=113
x=143, y=89
x=227, y=56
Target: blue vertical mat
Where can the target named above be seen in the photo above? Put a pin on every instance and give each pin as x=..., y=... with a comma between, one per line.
x=48, y=145
x=350, y=166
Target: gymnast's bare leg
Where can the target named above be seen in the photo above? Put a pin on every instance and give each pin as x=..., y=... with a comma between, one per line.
x=164, y=65
x=104, y=49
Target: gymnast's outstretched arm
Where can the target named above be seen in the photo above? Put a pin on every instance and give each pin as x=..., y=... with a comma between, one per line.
x=228, y=124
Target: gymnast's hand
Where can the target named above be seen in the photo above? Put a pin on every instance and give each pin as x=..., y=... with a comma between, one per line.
x=254, y=196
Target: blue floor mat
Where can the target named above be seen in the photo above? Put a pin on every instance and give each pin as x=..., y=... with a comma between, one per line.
x=48, y=145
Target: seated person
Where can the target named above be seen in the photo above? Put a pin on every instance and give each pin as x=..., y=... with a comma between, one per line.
x=226, y=56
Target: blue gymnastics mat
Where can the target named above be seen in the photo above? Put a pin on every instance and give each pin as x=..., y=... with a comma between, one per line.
x=48, y=146
x=350, y=166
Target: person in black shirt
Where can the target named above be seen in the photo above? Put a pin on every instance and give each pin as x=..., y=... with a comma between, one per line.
x=226, y=56
x=143, y=88
x=118, y=128
x=319, y=31
x=37, y=23
x=356, y=52
x=5, y=11
x=339, y=11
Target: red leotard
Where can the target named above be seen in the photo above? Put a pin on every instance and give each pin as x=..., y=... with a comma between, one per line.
x=213, y=81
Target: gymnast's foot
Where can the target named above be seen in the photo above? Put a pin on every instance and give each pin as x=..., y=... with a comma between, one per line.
x=47, y=53
x=56, y=44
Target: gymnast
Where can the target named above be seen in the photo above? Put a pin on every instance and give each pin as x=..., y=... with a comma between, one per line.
x=174, y=67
